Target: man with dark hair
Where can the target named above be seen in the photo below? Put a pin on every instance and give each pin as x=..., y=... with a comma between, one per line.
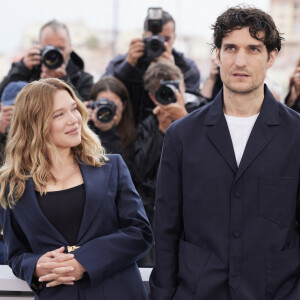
x=70, y=69
x=227, y=197
x=130, y=67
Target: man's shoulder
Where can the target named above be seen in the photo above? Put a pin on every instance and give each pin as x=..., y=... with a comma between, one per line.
x=193, y=120
x=118, y=59
x=180, y=58
x=288, y=115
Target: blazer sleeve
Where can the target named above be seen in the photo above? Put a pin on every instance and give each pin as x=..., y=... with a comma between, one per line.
x=168, y=221
x=20, y=257
x=106, y=255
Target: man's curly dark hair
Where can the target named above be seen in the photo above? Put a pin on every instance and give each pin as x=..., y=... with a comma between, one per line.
x=258, y=21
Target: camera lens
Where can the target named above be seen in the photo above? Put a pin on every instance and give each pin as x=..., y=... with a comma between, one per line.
x=166, y=94
x=155, y=45
x=52, y=57
x=105, y=114
x=106, y=110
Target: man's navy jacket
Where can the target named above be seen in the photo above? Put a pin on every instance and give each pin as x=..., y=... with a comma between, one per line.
x=226, y=232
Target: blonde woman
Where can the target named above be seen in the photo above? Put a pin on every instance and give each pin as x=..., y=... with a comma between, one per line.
x=73, y=222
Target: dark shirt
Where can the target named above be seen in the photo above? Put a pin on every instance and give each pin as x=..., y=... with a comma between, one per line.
x=64, y=209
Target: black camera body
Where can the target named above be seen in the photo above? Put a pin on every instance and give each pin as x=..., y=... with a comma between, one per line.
x=165, y=94
x=154, y=45
x=52, y=57
x=106, y=109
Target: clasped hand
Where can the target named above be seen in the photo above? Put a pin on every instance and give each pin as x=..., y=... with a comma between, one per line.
x=56, y=268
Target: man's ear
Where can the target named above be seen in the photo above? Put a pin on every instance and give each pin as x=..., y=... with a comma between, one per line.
x=218, y=60
x=272, y=56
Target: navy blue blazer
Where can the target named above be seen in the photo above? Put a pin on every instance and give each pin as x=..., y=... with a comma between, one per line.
x=226, y=232
x=114, y=234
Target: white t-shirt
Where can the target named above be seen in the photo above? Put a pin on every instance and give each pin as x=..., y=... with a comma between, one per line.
x=240, y=129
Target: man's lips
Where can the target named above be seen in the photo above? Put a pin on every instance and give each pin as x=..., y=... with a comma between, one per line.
x=237, y=74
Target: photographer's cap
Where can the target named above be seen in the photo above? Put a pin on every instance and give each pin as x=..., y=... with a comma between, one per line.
x=11, y=91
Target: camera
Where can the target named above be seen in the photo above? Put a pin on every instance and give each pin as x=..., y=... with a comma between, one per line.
x=52, y=57
x=154, y=45
x=165, y=94
x=106, y=109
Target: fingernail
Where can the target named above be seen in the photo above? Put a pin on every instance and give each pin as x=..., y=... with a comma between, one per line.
x=71, y=269
x=38, y=266
x=40, y=280
x=71, y=255
x=73, y=278
x=47, y=285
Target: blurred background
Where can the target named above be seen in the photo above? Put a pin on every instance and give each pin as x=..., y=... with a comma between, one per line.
x=101, y=29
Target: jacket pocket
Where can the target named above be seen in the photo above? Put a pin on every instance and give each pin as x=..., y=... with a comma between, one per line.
x=192, y=260
x=282, y=270
x=277, y=198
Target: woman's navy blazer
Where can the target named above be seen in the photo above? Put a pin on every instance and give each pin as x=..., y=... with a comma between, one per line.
x=113, y=235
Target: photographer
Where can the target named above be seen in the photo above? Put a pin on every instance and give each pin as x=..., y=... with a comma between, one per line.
x=6, y=110
x=111, y=116
x=130, y=67
x=59, y=61
x=293, y=98
x=164, y=82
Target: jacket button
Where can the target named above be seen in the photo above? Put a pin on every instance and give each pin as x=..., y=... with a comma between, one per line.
x=237, y=193
x=236, y=234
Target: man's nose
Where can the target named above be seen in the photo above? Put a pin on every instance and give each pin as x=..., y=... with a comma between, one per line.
x=241, y=58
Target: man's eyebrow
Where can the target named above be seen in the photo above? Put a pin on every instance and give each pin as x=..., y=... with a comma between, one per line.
x=228, y=44
x=256, y=46
x=249, y=46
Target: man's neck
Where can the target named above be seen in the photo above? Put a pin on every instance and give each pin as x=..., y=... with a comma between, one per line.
x=242, y=105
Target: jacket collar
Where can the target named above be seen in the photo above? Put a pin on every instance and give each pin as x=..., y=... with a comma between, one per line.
x=269, y=110
x=262, y=133
x=96, y=183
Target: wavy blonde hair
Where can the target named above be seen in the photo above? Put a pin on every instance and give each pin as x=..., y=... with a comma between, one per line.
x=29, y=141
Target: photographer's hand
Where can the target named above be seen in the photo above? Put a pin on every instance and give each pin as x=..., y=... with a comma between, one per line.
x=163, y=119
x=167, y=54
x=32, y=57
x=56, y=73
x=89, y=109
x=5, y=118
x=208, y=86
x=174, y=110
x=136, y=51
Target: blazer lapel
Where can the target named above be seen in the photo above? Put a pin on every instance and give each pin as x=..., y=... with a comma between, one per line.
x=262, y=133
x=96, y=183
x=219, y=133
x=30, y=210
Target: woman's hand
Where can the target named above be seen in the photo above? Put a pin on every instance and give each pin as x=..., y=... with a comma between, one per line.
x=47, y=257
x=65, y=269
